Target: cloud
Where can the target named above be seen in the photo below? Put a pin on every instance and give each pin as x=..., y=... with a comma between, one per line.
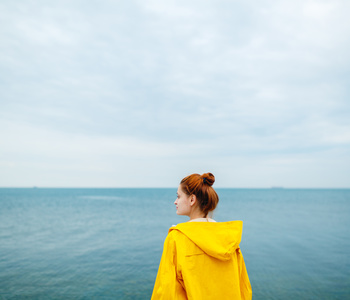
x=151, y=84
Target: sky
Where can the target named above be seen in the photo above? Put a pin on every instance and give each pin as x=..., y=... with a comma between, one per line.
x=142, y=93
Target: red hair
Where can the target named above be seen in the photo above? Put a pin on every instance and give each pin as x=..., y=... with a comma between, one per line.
x=201, y=187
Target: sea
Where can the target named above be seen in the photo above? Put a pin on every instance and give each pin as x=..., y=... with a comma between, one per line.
x=101, y=243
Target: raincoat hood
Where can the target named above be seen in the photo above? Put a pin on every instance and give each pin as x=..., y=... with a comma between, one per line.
x=216, y=239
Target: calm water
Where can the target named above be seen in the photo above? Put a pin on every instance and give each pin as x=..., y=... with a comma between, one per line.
x=107, y=243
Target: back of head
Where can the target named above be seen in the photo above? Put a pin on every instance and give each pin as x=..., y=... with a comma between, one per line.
x=201, y=187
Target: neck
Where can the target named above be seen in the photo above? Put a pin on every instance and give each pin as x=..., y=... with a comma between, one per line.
x=196, y=215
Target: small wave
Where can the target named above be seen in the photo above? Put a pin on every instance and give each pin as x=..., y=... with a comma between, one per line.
x=101, y=197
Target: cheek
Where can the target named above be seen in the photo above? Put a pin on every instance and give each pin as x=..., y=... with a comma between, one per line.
x=181, y=203
x=185, y=204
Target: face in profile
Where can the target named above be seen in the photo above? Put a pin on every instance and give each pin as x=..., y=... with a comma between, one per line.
x=183, y=203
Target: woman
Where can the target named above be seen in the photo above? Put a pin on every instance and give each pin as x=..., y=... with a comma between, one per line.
x=201, y=258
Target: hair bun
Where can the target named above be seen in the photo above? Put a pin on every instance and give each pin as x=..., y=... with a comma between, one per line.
x=208, y=178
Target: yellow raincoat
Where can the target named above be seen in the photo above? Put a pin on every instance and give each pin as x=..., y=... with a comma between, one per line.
x=202, y=260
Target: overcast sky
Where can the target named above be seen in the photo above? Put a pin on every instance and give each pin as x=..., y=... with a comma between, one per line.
x=143, y=93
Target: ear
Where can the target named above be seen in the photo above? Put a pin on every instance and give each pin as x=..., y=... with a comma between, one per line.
x=193, y=200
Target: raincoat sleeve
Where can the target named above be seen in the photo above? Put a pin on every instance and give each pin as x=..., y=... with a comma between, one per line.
x=246, y=289
x=168, y=285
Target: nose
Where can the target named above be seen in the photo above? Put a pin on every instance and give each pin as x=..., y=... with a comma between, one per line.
x=175, y=202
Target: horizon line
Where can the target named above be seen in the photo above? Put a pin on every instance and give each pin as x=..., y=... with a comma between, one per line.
x=146, y=187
